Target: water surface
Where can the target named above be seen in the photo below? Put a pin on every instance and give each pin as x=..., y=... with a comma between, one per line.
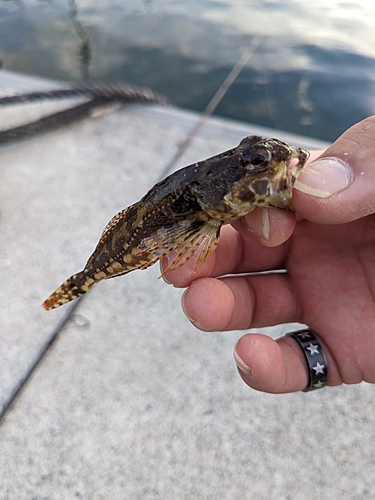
x=313, y=72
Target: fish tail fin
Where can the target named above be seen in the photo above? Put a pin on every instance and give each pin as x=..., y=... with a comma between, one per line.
x=71, y=289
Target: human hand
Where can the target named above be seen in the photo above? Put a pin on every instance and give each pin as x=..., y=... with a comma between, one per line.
x=328, y=250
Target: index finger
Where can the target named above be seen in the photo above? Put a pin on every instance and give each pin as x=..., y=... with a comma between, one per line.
x=251, y=247
x=234, y=254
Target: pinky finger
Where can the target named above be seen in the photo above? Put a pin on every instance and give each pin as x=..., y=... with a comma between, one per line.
x=271, y=366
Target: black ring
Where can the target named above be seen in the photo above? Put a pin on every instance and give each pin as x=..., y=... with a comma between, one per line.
x=316, y=361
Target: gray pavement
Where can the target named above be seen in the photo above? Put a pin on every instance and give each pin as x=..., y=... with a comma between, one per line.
x=132, y=402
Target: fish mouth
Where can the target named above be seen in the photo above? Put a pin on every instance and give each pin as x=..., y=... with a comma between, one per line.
x=282, y=183
x=297, y=162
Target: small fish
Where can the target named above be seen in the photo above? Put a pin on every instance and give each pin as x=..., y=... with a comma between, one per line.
x=185, y=211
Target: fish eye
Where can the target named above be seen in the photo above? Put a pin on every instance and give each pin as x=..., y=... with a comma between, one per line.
x=257, y=160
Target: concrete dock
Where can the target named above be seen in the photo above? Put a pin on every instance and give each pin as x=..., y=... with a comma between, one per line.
x=129, y=400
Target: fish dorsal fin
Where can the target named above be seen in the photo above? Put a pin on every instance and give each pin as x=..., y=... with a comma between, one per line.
x=112, y=224
x=107, y=231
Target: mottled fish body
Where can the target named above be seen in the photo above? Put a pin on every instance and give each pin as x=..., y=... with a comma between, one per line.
x=185, y=211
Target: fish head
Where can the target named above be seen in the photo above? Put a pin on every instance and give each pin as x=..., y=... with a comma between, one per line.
x=269, y=170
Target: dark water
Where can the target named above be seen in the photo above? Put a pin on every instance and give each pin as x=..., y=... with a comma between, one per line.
x=313, y=72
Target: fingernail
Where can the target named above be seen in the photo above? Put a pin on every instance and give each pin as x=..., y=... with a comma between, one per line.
x=192, y=321
x=265, y=224
x=240, y=364
x=325, y=177
x=163, y=265
x=260, y=226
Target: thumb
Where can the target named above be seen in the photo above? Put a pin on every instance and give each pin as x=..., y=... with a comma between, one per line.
x=339, y=186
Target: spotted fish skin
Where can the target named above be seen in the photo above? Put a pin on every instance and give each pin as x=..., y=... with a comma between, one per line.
x=185, y=211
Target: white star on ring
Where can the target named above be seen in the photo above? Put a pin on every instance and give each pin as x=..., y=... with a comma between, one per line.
x=304, y=335
x=318, y=368
x=313, y=349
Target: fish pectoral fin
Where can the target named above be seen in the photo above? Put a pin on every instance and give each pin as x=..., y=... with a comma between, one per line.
x=169, y=236
x=185, y=238
x=203, y=243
